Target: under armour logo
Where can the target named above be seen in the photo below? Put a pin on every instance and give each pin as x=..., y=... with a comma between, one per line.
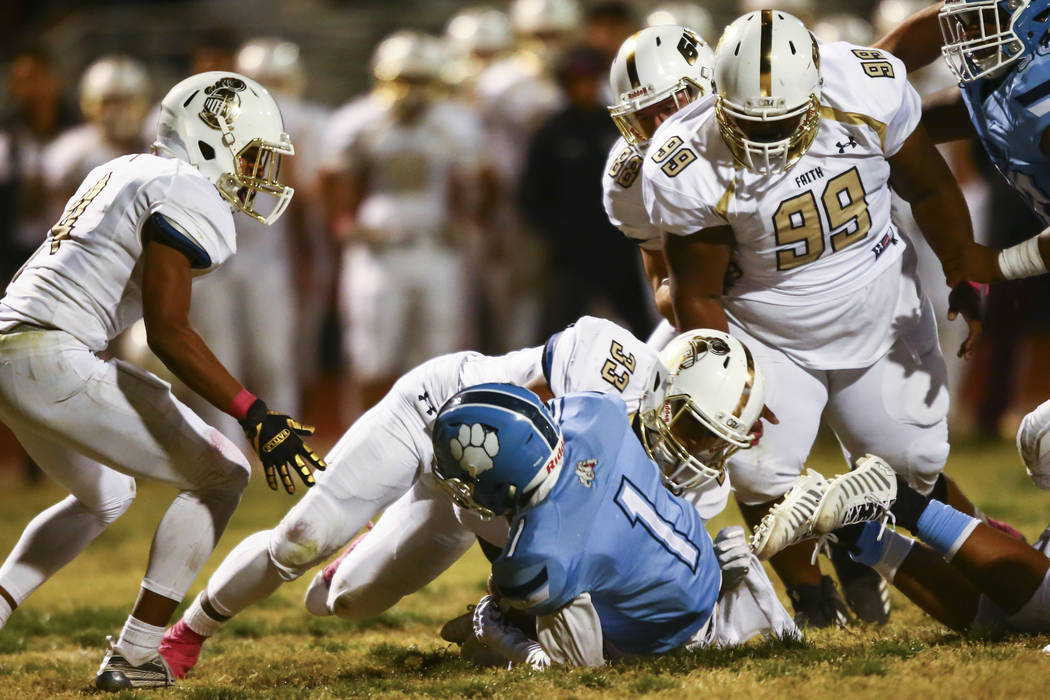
x=425, y=398
x=852, y=143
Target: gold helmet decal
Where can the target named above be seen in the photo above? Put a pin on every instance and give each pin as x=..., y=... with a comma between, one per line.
x=700, y=346
x=222, y=102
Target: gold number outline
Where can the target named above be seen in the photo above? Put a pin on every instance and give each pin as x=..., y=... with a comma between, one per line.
x=852, y=186
x=610, y=371
x=61, y=231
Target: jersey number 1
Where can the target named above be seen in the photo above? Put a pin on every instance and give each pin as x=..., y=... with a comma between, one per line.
x=638, y=508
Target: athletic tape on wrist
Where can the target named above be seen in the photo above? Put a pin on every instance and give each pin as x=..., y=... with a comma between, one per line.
x=895, y=552
x=241, y=403
x=1022, y=260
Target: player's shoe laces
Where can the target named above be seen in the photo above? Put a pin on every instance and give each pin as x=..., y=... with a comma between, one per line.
x=790, y=520
x=116, y=674
x=181, y=647
x=864, y=494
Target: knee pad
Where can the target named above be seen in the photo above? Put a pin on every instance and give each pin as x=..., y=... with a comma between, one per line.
x=925, y=464
x=296, y=546
x=357, y=606
x=112, y=508
x=1033, y=444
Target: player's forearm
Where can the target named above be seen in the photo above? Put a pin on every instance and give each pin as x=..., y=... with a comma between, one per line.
x=185, y=353
x=917, y=41
x=945, y=116
x=944, y=219
x=691, y=311
x=656, y=273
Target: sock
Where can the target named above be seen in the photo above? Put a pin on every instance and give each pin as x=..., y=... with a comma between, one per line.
x=909, y=506
x=200, y=621
x=139, y=641
x=944, y=529
x=882, y=549
x=5, y=611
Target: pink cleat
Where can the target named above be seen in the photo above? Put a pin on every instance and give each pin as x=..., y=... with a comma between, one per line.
x=181, y=647
x=1005, y=528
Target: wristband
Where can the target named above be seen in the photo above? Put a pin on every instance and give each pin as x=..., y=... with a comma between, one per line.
x=241, y=403
x=1022, y=260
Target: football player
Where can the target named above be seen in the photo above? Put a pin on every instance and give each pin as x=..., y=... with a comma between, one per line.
x=657, y=71
x=420, y=534
x=132, y=238
x=609, y=561
x=965, y=573
x=775, y=201
x=114, y=99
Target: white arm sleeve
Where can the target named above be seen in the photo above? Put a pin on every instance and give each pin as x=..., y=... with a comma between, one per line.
x=573, y=635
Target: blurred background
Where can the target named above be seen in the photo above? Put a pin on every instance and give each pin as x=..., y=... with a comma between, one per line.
x=448, y=171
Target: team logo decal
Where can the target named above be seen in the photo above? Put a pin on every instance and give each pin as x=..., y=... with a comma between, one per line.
x=222, y=101
x=474, y=447
x=585, y=471
x=700, y=346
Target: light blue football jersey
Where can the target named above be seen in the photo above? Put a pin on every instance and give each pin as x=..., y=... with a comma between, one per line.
x=1010, y=117
x=611, y=529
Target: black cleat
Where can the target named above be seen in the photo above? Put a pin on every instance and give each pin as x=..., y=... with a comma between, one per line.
x=865, y=590
x=818, y=605
x=116, y=674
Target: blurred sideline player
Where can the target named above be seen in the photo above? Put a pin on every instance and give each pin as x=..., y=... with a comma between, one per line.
x=402, y=274
x=608, y=560
x=656, y=72
x=383, y=461
x=132, y=238
x=783, y=184
x=966, y=574
x=514, y=95
x=114, y=99
x=684, y=14
x=249, y=310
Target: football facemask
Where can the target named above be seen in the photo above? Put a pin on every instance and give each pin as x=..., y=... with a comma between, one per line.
x=979, y=37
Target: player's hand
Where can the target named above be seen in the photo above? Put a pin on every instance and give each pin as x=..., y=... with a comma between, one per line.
x=733, y=554
x=492, y=630
x=967, y=299
x=278, y=441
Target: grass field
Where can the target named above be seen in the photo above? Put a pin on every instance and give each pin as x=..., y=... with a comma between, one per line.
x=53, y=644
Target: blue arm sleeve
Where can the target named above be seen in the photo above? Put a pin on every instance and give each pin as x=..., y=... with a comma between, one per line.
x=160, y=229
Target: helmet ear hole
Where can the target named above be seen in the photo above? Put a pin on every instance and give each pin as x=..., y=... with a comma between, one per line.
x=206, y=150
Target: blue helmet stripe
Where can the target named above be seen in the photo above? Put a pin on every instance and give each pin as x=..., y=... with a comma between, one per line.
x=514, y=404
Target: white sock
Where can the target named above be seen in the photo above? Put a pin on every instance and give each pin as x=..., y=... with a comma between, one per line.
x=895, y=552
x=139, y=641
x=5, y=612
x=198, y=620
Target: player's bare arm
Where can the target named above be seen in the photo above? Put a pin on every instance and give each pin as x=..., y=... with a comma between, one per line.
x=917, y=41
x=697, y=266
x=919, y=174
x=945, y=116
x=656, y=273
x=166, y=284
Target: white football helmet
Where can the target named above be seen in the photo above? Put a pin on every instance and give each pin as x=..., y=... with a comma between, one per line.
x=534, y=17
x=273, y=62
x=229, y=127
x=703, y=400
x=657, y=71
x=114, y=93
x=483, y=31
x=805, y=10
x=982, y=37
x=684, y=14
x=844, y=27
x=767, y=71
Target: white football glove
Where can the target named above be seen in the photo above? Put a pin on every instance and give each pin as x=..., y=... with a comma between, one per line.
x=734, y=555
x=492, y=630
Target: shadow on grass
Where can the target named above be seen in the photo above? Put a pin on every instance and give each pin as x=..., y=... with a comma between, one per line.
x=85, y=627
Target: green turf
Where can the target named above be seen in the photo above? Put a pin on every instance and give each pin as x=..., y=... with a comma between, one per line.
x=53, y=644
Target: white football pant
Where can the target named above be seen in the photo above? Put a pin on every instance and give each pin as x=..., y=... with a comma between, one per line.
x=93, y=425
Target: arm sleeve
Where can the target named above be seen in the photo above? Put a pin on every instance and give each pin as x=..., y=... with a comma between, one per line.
x=572, y=636
x=158, y=228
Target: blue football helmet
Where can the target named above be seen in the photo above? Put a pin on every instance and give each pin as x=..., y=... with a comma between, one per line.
x=982, y=38
x=495, y=446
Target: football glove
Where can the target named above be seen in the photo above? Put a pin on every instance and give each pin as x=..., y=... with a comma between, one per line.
x=277, y=439
x=492, y=630
x=733, y=554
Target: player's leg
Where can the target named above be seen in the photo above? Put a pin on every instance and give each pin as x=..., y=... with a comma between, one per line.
x=415, y=540
x=374, y=462
x=55, y=536
x=762, y=474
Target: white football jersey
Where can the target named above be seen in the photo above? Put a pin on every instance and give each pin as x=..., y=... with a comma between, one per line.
x=809, y=239
x=408, y=166
x=622, y=192
x=85, y=278
x=342, y=127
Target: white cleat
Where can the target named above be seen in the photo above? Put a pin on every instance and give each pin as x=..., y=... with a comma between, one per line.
x=790, y=521
x=116, y=674
x=866, y=493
